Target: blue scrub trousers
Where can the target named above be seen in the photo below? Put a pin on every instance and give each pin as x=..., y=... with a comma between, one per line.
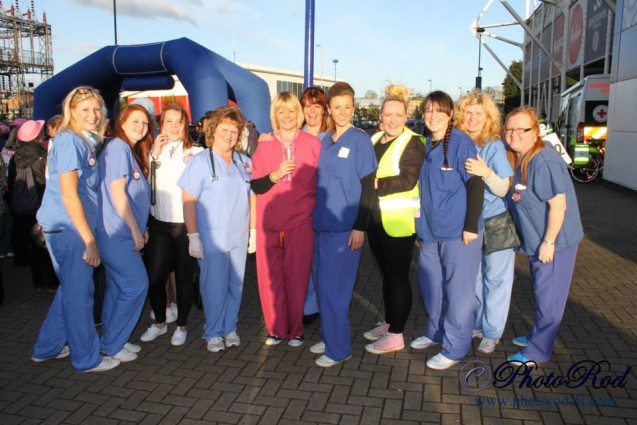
x=126, y=289
x=447, y=273
x=311, y=297
x=337, y=268
x=221, y=287
x=493, y=292
x=70, y=317
x=551, y=283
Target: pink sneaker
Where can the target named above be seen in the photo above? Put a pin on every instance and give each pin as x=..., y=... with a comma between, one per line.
x=375, y=334
x=386, y=344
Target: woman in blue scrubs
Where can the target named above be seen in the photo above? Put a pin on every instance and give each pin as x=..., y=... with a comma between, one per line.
x=479, y=117
x=68, y=217
x=450, y=229
x=218, y=213
x=545, y=210
x=345, y=192
x=121, y=228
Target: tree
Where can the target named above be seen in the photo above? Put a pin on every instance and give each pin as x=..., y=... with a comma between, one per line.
x=511, y=91
x=371, y=94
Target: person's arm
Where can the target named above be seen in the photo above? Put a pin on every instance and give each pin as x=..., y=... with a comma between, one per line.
x=195, y=247
x=499, y=186
x=122, y=206
x=267, y=182
x=557, y=211
x=252, y=241
x=69, y=182
x=409, y=165
x=475, y=199
x=364, y=207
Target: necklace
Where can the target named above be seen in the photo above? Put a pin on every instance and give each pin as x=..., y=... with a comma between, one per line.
x=172, y=150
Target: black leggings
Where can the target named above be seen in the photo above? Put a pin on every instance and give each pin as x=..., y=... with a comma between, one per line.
x=166, y=251
x=394, y=258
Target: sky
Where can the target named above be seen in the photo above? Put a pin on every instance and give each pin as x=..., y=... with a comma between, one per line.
x=375, y=41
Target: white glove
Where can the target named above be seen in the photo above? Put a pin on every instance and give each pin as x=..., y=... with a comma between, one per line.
x=195, y=248
x=252, y=241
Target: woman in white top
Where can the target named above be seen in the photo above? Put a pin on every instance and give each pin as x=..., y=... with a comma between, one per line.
x=167, y=248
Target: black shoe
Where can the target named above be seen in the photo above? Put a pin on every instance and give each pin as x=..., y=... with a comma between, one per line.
x=307, y=320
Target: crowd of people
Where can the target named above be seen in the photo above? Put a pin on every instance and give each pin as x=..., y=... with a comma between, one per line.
x=167, y=219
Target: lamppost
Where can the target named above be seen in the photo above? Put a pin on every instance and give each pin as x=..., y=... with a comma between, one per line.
x=321, y=47
x=335, y=62
x=429, y=86
x=479, y=31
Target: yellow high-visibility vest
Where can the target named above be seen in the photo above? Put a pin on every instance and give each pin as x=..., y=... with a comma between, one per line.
x=398, y=210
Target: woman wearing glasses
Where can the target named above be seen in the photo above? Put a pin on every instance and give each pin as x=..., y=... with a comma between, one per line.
x=285, y=183
x=478, y=116
x=545, y=210
x=68, y=217
x=450, y=229
x=218, y=216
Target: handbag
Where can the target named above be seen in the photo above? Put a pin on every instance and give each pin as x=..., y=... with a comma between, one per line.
x=500, y=233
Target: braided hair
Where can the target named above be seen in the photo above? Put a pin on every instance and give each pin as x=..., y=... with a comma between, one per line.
x=445, y=144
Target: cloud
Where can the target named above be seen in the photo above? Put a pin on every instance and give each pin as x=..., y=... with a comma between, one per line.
x=157, y=9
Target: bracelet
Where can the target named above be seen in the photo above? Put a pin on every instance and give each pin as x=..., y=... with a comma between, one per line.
x=549, y=243
x=271, y=179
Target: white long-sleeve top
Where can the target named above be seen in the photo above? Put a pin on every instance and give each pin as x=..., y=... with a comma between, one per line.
x=172, y=161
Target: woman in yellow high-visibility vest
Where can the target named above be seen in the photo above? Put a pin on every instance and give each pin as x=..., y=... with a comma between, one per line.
x=400, y=153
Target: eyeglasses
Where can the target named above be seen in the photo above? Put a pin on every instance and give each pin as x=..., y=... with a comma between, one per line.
x=85, y=91
x=518, y=131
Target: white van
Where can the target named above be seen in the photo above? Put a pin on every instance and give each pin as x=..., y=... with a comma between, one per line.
x=584, y=111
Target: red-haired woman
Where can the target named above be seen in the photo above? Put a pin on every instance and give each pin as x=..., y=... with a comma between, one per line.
x=121, y=228
x=545, y=210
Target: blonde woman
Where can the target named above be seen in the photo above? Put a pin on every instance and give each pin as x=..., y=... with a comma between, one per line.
x=479, y=117
x=68, y=217
x=392, y=232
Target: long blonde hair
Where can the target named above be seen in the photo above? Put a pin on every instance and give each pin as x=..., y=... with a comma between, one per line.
x=71, y=101
x=492, y=129
x=538, y=145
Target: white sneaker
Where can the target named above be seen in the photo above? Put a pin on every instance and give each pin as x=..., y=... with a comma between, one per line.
x=297, y=341
x=171, y=313
x=487, y=346
x=325, y=361
x=107, y=363
x=125, y=356
x=65, y=352
x=215, y=344
x=132, y=348
x=272, y=340
x=179, y=337
x=379, y=330
x=318, y=348
x=153, y=332
x=232, y=340
x=440, y=362
x=422, y=343
x=477, y=333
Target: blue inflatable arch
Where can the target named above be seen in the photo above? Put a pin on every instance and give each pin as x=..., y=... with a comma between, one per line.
x=209, y=79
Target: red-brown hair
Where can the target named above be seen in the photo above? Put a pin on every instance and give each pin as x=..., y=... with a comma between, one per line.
x=141, y=148
x=538, y=145
x=185, y=134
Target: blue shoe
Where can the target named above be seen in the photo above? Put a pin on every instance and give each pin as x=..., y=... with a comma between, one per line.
x=519, y=359
x=521, y=341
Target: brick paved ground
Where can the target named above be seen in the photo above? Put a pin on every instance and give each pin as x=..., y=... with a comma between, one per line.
x=266, y=385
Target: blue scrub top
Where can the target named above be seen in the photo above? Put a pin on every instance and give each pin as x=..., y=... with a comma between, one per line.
x=443, y=193
x=117, y=161
x=341, y=167
x=494, y=154
x=547, y=177
x=223, y=206
x=69, y=153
